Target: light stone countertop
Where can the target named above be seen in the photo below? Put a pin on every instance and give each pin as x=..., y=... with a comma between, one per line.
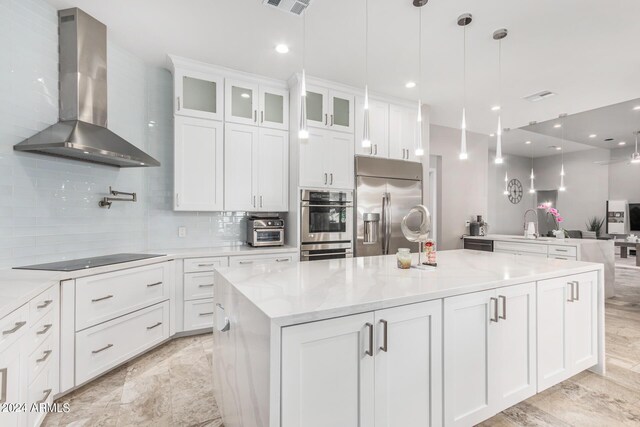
x=307, y=291
x=539, y=241
x=17, y=287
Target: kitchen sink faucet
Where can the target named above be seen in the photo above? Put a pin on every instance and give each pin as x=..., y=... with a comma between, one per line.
x=536, y=234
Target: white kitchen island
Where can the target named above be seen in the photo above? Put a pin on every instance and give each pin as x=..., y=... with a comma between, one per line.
x=359, y=342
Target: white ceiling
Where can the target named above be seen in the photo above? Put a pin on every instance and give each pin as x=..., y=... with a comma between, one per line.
x=514, y=142
x=584, y=50
x=617, y=122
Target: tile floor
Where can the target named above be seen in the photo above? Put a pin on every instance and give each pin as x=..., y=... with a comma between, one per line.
x=171, y=386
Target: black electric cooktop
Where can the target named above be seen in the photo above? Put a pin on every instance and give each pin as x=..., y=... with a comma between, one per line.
x=84, y=263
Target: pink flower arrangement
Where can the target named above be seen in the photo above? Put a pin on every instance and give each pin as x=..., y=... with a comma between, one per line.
x=553, y=212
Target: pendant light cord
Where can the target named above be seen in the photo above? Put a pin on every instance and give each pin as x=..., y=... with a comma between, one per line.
x=366, y=42
x=464, y=67
x=304, y=38
x=420, y=52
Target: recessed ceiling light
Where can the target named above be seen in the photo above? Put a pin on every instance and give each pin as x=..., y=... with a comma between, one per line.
x=558, y=148
x=527, y=142
x=622, y=143
x=492, y=135
x=495, y=108
x=593, y=135
x=636, y=108
x=410, y=85
x=245, y=95
x=557, y=125
x=282, y=48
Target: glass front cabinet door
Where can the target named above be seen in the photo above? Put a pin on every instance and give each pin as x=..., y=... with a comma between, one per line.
x=329, y=109
x=242, y=102
x=198, y=94
x=274, y=108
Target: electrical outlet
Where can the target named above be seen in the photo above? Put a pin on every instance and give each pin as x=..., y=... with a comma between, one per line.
x=182, y=231
x=467, y=223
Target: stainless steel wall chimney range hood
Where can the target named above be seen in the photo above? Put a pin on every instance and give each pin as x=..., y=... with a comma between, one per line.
x=82, y=132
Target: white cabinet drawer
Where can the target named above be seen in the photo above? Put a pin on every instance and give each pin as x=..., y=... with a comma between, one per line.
x=43, y=303
x=260, y=259
x=40, y=331
x=40, y=359
x=104, y=346
x=504, y=251
x=41, y=392
x=198, y=286
x=194, y=265
x=563, y=251
x=198, y=314
x=13, y=326
x=104, y=297
x=533, y=248
x=569, y=258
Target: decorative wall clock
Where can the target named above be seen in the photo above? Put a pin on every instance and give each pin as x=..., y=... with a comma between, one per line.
x=515, y=191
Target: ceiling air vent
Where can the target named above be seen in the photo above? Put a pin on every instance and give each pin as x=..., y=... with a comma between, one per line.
x=539, y=96
x=290, y=6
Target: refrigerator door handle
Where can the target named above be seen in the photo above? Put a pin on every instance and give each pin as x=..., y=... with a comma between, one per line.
x=383, y=233
x=387, y=224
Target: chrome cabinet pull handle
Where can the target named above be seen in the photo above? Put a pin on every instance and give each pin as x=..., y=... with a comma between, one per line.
x=262, y=116
x=376, y=149
x=495, y=309
x=254, y=201
x=45, y=329
x=326, y=120
x=154, y=326
x=384, y=346
x=255, y=116
x=206, y=265
x=108, y=346
x=17, y=326
x=561, y=250
x=260, y=200
x=178, y=200
x=331, y=181
x=246, y=262
x=570, y=299
x=102, y=299
x=151, y=285
x=504, y=307
x=577, y=291
x=325, y=178
x=3, y=390
x=369, y=351
x=46, y=393
x=178, y=99
x=45, y=304
x=208, y=313
x=208, y=285
x=282, y=259
x=332, y=120
x=45, y=356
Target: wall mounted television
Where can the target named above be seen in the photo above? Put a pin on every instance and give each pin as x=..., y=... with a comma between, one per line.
x=634, y=216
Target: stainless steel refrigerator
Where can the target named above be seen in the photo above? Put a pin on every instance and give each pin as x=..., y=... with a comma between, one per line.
x=385, y=192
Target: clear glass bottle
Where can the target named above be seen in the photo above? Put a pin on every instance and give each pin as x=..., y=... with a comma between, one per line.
x=404, y=258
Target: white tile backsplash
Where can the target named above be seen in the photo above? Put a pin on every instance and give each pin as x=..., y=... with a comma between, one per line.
x=49, y=206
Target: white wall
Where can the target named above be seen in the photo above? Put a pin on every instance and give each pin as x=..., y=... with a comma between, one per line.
x=587, y=184
x=464, y=182
x=624, y=178
x=49, y=206
x=505, y=217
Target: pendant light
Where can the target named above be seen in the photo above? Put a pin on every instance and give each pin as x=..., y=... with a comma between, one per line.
x=464, y=20
x=506, y=184
x=303, y=131
x=419, y=152
x=532, y=188
x=366, y=141
x=562, y=187
x=499, y=35
x=635, y=157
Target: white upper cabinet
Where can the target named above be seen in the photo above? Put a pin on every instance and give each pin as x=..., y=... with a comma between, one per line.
x=378, y=128
x=326, y=160
x=256, y=169
x=402, y=132
x=255, y=104
x=198, y=171
x=198, y=94
x=274, y=108
x=330, y=109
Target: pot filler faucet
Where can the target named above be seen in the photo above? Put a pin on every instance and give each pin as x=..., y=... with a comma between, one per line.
x=527, y=232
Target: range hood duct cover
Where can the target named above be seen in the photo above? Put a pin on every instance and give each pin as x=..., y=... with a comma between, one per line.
x=82, y=132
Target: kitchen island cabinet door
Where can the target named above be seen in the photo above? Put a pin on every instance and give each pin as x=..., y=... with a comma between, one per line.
x=327, y=373
x=469, y=358
x=516, y=344
x=408, y=360
x=553, y=298
x=582, y=323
